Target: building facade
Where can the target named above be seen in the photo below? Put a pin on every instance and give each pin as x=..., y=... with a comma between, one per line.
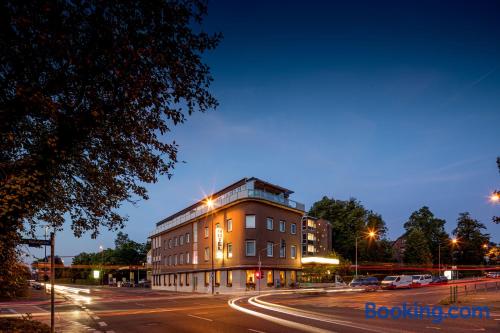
x=316, y=237
x=224, y=243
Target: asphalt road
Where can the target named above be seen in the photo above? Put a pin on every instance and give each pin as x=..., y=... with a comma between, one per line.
x=139, y=310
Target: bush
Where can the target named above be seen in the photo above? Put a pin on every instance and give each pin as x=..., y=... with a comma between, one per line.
x=22, y=325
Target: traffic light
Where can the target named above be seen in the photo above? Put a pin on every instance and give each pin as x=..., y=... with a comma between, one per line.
x=257, y=275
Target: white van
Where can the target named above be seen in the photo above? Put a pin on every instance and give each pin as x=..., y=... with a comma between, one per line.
x=422, y=280
x=396, y=282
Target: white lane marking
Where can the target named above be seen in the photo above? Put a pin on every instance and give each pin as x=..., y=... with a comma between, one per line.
x=279, y=321
x=207, y=319
x=256, y=331
x=102, y=324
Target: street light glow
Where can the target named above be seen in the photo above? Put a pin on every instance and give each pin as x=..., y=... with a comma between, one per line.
x=495, y=197
x=371, y=234
x=210, y=203
x=454, y=241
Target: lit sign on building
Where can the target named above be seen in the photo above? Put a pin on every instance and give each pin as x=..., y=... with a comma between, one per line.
x=96, y=274
x=219, y=241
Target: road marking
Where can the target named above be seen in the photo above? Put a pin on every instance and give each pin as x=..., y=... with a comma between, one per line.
x=433, y=327
x=95, y=317
x=207, y=319
x=256, y=331
x=102, y=324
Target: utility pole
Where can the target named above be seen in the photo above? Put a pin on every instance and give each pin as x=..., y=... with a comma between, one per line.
x=52, y=279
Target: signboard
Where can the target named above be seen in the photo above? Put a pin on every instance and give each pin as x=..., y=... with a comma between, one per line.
x=219, y=242
x=35, y=242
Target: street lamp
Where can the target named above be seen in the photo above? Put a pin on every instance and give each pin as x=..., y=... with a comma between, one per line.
x=454, y=242
x=101, y=248
x=371, y=234
x=495, y=197
x=210, y=205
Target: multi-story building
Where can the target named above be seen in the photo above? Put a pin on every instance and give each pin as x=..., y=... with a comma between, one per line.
x=224, y=242
x=316, y=237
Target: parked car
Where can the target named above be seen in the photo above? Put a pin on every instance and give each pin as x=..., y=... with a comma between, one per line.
x=36, y=285
x=422, y=280
x=493, y=275
x=397, y=282
x=364, y=281
x=439, y=280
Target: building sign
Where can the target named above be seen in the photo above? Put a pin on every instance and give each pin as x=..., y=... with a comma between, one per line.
x=219, y=242
x=35, y=242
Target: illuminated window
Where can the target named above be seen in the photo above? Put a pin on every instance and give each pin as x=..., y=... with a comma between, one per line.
x=270, y=249
x=250, y=248
x=188, y=277
x=269, y=223
x=229, y=250
x=270, y=278
x=195, y=257
x=181, y=280
x=217, y=278
x=310, y=248
x=293, y=276
x=282, y=226
x=207, y=278
x=293, y=252
x=229, y=278
x=250, y=277
x=311, y=237
x=311, y=223
x=229, y=225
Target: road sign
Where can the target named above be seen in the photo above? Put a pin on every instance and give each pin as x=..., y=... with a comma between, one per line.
x=35, y=242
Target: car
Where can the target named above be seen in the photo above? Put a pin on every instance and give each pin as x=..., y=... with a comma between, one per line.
x=36, y=285
x=145, y=284
x=493, y=275
x=396, y=282
x=422, y=280
x=364, y=281
x=439, y=280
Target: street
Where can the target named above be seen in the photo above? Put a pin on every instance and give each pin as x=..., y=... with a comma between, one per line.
x=310, y=310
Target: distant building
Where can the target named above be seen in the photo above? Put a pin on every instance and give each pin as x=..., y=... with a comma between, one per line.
x=218, y=244
x=398, y=248
x=316, y=237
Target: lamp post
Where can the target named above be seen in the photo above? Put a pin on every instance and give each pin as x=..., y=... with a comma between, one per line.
x=371, y=234
x=101, y=248
x=454, y=242
x=210, y=205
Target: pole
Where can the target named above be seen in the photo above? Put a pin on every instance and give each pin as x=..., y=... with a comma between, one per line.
x=52, y=278
x=260, y=272
x=212, y=255
x=356, y=275
x=439, y=260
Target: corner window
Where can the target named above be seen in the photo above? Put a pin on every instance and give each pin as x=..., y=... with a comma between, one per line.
x=293, y=228
x=250, y=248
x=229, y=250
x=282, y=226
x=269, y=223
x=270, y=249
x=250, y=221
x=229, y=225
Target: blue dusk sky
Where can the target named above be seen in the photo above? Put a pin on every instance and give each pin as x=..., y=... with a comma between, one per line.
x=394, y=103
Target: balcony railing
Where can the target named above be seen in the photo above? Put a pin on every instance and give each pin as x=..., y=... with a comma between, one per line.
x=225, y=199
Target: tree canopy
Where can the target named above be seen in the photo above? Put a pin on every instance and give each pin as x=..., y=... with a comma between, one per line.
x=470, y=247
x=417, y=248
x=350, y=219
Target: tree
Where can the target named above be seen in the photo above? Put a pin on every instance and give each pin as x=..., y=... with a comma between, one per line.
x=350, y=219
x=470, y=248
x=417, y=249
x=88, y=92
x=433, y=231
x=496, y=219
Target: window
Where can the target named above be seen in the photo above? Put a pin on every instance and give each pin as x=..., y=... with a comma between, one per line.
x=293, y=228
x=206, y=232
x=250, y=277
x=250, y=221
x=282, y=249
x=229, y=225
x=270, y=278
x=229, y=278
x=310, y=236
x=181, y=279
x=187, y=279
x=181, y=240
x=207, y=278
x=217, y=278
x=207, y=254
x=181, y=259
x=293, y=252
x=169, y=279
x=195, y=232
x=270, y=249
x=229, y=250
x=250, y=247
x=170, y=243
x=175, y=241
x=293, y=276
x=175, y=260
x=195, y=257
x=187, y=258
x=269, y=223
x=187, y=241
x=282, y=226
x=170, y=260
x=310, y=248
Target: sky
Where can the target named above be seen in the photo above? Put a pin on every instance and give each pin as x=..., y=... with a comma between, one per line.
x=396, y=104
